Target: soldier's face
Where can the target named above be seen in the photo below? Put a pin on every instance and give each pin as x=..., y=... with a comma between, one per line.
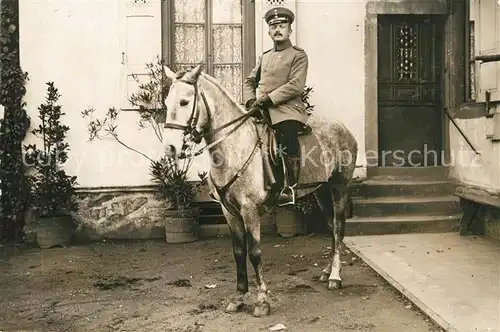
x=280, y=32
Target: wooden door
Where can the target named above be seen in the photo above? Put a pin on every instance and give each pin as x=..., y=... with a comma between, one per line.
x=409, y=90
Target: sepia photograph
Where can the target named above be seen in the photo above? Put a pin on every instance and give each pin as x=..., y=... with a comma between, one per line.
x=250, y=165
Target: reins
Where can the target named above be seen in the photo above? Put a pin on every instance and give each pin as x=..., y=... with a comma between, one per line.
x=190, y=128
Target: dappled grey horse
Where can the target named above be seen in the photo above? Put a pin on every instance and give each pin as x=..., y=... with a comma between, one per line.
x=199, y=108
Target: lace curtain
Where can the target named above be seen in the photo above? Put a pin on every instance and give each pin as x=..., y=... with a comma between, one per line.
x=226, y=42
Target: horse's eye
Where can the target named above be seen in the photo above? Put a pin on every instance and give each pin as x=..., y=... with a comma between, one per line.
x=184, y=102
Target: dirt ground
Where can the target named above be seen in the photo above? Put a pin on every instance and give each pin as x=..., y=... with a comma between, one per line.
x=155, y=286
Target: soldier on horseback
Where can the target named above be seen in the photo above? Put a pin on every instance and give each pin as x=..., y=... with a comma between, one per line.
x=280, y=74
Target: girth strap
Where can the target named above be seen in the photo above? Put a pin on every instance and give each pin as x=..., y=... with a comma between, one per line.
x=222, y=191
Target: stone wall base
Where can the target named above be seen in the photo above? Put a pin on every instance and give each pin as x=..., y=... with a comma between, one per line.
x=109, y=213
x=490, y=217
x=486, y=220
x=127, y=213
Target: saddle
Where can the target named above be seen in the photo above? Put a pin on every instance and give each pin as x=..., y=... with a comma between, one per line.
x=274, y=173
x=271, y=162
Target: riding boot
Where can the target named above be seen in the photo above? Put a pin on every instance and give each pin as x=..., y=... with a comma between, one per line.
x=287, y=195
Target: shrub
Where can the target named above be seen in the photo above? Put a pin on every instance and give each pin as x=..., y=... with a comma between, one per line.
x=51, y=189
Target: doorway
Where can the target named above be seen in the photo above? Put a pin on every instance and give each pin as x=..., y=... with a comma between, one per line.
x=409, y=89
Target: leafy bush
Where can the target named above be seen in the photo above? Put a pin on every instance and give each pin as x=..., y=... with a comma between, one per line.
x=172, y=180
x=306, y=204
x=13, y=127
x=51, y=189
x=305, y=99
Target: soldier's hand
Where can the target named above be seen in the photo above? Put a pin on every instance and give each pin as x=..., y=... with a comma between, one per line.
x=249, y=104
x=263, y=102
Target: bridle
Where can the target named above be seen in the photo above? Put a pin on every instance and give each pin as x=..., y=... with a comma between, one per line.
x=190, y=128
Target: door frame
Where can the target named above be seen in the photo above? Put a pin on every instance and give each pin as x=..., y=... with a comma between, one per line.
x=439, y=21
x=453, y=87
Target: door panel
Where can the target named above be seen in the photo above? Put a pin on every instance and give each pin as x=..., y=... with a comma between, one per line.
x=409, y=90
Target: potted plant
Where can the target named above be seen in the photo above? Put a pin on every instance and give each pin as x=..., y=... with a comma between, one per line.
x=52, y=191
x=292, y=220
x=170, y=175
x=181, y=219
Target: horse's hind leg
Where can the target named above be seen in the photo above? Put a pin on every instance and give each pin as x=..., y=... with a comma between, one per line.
x=252, y=221
x=340, y=195
x=324, y=198
x=238, y=234
x=332, y=202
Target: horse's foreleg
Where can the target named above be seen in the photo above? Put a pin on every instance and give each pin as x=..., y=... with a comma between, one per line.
x=252, y=221
x=340, y=201
x=238, y=234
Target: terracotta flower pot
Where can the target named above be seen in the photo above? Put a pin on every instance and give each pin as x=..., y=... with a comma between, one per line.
x=181, y=226
x=54, y=231
x=289, y=222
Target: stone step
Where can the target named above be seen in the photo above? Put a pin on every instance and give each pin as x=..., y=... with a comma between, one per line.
x=389, y=206
x=407, y=173
x=402, y=224
x=418, y=188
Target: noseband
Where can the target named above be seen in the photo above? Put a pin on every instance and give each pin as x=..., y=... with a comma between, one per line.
x=190, y=128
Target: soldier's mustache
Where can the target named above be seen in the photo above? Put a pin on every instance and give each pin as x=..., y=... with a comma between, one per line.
x=277, y=34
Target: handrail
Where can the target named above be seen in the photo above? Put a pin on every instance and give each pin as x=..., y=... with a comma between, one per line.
x=460, y=131
x=486, y=58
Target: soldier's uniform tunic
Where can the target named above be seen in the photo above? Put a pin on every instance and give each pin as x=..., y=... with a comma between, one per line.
x=280, y=73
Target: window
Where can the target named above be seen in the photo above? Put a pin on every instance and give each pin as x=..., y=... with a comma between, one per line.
x=487, y=43
x=217, y=33
x=220, y=34
x=141, y=43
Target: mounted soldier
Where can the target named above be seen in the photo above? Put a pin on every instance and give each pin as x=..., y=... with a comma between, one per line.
x=280, y=75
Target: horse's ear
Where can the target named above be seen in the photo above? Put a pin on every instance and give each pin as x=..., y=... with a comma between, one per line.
x=170, y=74
x=192, y=76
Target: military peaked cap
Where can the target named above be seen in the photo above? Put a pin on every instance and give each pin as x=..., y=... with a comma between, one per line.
x=279, y=15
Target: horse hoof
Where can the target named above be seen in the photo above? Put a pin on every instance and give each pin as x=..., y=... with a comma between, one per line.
x=323, y=278
x=334, y=284
x=262, y=310
x=234, y=307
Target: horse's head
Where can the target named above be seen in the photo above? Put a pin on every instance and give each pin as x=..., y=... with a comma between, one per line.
x=186, y=110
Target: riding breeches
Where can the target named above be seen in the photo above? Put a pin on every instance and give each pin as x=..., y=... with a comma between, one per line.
x=287, y=136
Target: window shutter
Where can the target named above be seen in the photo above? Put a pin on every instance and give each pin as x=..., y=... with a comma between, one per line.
x=489, y=43
x=141, y=44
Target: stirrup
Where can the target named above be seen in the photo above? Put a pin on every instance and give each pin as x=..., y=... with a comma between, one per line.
x=288, y=191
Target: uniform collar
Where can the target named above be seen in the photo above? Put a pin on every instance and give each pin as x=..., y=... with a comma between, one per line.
x=280, y=47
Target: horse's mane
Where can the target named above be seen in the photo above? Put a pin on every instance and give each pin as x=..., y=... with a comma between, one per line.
x=224, y=91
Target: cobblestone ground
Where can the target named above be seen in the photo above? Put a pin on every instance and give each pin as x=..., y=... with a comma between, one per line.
x=155, y=286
